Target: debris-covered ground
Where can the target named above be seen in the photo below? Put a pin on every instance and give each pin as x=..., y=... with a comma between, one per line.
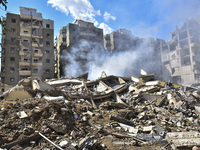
x=108, y=113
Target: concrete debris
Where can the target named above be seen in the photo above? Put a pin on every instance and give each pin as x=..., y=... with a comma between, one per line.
x=108, y=113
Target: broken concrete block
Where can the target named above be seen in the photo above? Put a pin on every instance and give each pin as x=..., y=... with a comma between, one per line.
x=135, y=79
x=148, y=128
x=22, y=115
x=153, y=83
x=63, y=143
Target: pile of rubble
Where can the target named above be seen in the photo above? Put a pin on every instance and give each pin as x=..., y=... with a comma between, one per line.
x=109, y=113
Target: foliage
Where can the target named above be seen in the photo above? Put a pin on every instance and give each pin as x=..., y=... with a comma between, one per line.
x=4, y=2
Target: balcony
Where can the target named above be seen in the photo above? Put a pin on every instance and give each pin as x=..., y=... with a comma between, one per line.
x=38, y=54
x=37, y=64
x=28, y=25
x=24, y=63
x=23, y=53
x=25, y=72
x=37, y=45
x=29, y=35
x=25, y=34
x=2, y=74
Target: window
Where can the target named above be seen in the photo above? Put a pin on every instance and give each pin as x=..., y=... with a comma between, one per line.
x=47, y=60
x=64, y=39
x=35, y=70
x=24, y=69
x=3, y=50
x=12, y=79
x=35, y=60
x=13, y=20
x=36, y=51
x=47, y=51
x=12, y=58
x=12, y=69
x=25, y=59
x=2, y=69
x=12, y=49
x=13, y=29
x=12, y=40
x=47, y=43
x=47, y=71
x=25, y=50
x=26, y=32
x=47, y=25
x=48, y=35
x=25, y=40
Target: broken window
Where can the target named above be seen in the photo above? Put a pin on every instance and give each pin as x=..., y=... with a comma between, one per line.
x=13, y=20
x=13, y=29
x=47, y=71
x=12, y=79
x=12, y=58
x=47, y=25
x=12, y=69
x=47, y=43
x=48, y=35
x=12, y=40
x=12, y=49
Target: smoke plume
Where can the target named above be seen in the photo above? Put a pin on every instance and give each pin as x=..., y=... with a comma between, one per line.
x=92, y=58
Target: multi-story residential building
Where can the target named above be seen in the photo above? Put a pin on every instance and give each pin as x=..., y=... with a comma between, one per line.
x=180, y=56
x=27, y=46
x=80, y=35
x=119, y=40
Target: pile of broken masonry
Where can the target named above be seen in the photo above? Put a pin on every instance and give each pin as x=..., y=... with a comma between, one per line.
x=109, y=113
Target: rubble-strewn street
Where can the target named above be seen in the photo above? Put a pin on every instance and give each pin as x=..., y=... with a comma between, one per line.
x=110, y=112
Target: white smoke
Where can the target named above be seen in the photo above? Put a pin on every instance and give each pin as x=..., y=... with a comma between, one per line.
x=95, y=60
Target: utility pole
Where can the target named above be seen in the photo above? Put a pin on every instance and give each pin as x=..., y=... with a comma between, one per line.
x=31, y=57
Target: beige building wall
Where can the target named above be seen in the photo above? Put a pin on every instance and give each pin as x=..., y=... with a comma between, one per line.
x=28, y=48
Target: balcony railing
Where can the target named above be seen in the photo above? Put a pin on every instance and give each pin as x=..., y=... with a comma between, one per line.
x=25, y=72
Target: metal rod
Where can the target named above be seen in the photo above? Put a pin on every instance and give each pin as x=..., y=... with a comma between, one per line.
x=50, y=141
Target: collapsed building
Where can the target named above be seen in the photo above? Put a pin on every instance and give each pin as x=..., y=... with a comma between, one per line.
x=110, y=112
x=27, y=46
x=180, y=55
x=81, y=35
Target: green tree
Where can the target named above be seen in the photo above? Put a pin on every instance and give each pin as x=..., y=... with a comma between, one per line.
x=4, y=2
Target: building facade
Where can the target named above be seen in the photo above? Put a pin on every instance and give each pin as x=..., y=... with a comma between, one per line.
x=180, y=55
x=27, y=46
x=77, y=39
x=120, y=40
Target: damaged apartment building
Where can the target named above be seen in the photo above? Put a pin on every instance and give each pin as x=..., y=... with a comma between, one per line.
x=77, y=39
x=180, y=55
x=27, y=46
x=123, y=40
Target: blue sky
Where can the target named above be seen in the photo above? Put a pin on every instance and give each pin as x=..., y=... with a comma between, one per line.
x=145, y=18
